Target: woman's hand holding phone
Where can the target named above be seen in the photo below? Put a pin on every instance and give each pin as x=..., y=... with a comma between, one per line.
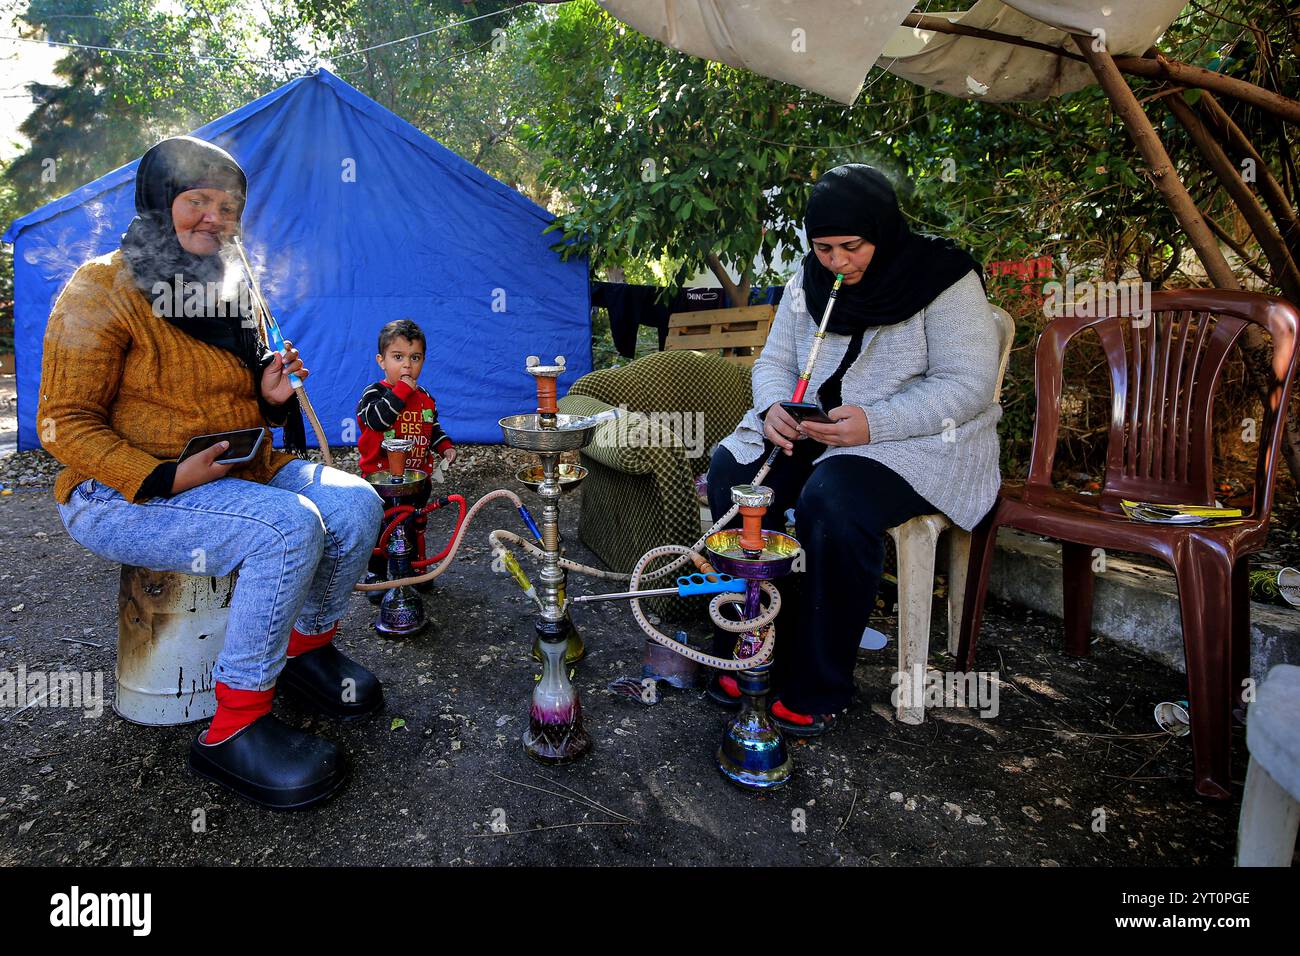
x=201, y=468
x=850, y=428
x=780, y=428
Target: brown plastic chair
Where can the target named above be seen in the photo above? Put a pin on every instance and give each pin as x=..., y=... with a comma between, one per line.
x=1164, y=372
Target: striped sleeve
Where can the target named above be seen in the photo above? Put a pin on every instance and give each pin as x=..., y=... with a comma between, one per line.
x=379, y=407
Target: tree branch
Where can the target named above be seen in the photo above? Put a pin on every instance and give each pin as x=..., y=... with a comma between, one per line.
x=1156, y=67
x=1284, y=213
x=1246, y=260
x=1285, y=274
x=720, y=272
x=1161, y=167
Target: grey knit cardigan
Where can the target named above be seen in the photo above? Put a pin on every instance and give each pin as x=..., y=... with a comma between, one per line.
x=926, y=385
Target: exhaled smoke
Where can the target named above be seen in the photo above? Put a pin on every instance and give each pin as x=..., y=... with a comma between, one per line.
x=73, y=245
x=281, y=281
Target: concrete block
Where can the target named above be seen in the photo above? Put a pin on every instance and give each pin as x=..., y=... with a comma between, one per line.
x=1134, y=604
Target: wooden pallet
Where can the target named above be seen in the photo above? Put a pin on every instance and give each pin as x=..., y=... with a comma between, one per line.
x=739, y=334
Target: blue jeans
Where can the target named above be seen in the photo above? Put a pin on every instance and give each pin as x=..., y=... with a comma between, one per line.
x=299, y=543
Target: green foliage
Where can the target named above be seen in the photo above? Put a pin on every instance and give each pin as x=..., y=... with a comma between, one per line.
x=660, y=155
x=460, y=85
x=8, y=212
x=110, y=106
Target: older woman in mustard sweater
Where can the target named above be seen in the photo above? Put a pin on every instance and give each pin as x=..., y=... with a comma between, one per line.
x=125, y=383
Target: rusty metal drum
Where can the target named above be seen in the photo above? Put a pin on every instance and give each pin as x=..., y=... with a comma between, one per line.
x=170, y=630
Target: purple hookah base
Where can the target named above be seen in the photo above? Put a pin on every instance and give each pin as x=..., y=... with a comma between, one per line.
x=555, y=734
x=556, y=737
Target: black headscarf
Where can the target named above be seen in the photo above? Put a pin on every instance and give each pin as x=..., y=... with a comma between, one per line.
x=907, y=272
x=155, y=255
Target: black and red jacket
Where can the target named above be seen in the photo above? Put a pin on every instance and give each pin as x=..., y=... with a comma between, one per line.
x=399, y=411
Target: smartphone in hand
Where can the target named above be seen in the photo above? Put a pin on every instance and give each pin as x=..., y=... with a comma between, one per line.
x=807, y=412
x=243, y=445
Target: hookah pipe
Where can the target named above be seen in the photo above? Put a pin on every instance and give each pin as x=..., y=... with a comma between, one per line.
x=442, y=560
x=275, y=340
x=692, y=553
x=397, y=514
x=751, y=539
x=685, y=554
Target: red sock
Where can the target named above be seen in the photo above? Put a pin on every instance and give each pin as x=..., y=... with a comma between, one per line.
x=300, y=643
x=780, y=710
x=236, y=709
x=729, y=686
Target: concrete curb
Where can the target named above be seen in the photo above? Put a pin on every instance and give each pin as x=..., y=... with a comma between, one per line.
x=1133, y=604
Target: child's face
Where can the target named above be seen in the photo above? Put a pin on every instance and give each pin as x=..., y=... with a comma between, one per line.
x=402, y=357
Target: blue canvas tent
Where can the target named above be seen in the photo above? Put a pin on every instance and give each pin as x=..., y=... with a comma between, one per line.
x=354, y=218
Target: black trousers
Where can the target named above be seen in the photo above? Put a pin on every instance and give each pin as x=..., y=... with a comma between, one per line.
x=844, y=507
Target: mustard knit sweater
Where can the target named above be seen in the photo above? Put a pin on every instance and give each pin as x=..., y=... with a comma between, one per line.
x=123, y=390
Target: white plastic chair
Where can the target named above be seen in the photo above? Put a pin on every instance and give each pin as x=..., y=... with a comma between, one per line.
x=915, y=542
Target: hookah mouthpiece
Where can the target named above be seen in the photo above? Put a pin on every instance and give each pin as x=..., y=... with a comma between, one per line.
x=801, y=387
x=532, y=525
x=275, y=339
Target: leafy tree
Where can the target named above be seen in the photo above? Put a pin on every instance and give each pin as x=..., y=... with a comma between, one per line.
x=8, y=212
x=113, y=105
x=459, y=84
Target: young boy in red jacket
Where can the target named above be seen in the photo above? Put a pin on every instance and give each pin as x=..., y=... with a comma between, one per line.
x=396, y=406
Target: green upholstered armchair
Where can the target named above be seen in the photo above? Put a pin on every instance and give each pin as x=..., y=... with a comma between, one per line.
x=641, y=488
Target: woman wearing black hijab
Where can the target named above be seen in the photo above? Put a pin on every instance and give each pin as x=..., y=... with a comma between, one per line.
x=907, y=373
x=149, y=347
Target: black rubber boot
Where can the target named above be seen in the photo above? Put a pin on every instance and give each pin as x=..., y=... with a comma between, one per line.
x=330, y=682
x=272, y=764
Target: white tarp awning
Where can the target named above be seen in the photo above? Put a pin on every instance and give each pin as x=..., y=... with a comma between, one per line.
x=974, y=68
x=829, y=45
x=826, y=46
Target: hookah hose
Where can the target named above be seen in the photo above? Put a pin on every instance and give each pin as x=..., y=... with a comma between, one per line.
x=450, y=551
x=759, y=623
x=275, y=340
x=400, y=513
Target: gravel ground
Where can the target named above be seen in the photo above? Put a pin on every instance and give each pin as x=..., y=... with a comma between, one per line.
x=1071, y=771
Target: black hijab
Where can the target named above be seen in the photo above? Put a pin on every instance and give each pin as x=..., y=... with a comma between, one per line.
x=155, y=255
x=907, y=272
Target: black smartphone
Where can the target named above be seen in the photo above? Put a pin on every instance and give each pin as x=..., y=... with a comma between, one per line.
x=807, y=412
x=243, y=445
